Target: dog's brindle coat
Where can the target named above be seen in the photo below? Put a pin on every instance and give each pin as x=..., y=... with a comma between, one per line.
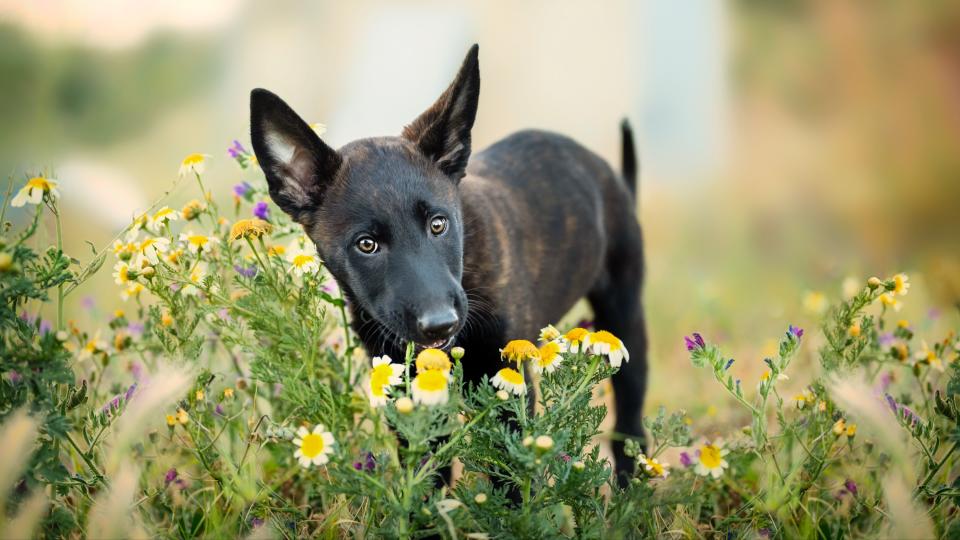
x=430, y=249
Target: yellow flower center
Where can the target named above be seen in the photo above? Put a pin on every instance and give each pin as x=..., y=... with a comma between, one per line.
x=382, y=372
x=432, y=359
x=193, y=159
x=899, y=283
x=246, y=228
x=549, y=352
x=576, y=335
x=511, y=375
x=710, y=456
x=655, y=468
x=378, y=385
x=312, y=445
x=519, y=350
x=123, y=273
x=39, y=183
x=198, y=240
x=431, y=381
x=302, y=260
x=162, y=213
x=147, y=242
x=605, y=337
x=276, y=250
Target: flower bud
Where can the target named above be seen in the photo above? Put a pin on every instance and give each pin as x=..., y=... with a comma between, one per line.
x=148, y=271
x=578, y=465
x=6, y=261
x=544, y=442
x=480, y=498
x=404, y=405
x=502, y=395
x=874, y=282
x=457, y=353
x=527, y=441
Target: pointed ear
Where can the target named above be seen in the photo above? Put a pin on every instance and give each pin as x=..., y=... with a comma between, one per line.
x=443, y=131
x=297, y=164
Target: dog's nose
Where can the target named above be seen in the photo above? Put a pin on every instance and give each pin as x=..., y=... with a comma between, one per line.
x=439, y=324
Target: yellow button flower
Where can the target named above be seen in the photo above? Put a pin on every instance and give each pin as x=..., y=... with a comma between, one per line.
x=433, y=359
x=194, y=163
x=519, y=350
x=510, y=380
x=250, y=228
x=313, y=447
x=34, y=191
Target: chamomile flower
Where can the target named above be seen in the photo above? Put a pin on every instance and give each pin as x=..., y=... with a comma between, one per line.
x=197, y=276
x=901, y=284
x=93, y=346
x=194, y=163
x=433, y=359
x=577, y=340
x=122, y=274
x=511, y=380
x=198, y=242
x=550, y=357
x=431, y=387
x=313, y=447
x=889, y=300
x=383, y=375
x=803, y=399
x=929, y=357
x=34, y=190
x=519, y=350
x=192, y=210
x=151, y=248
x=124, y=250
x=161, y=218
x=250, y=228
x=604, y=343
x=303, y=261
x=548, y=333
x=710, y=460
x=276, y=251
x=132, y=291
x=653, y=467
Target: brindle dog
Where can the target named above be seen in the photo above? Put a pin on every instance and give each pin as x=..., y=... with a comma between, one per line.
x=432, y=249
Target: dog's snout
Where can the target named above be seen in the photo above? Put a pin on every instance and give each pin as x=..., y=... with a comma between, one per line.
x=438, y=324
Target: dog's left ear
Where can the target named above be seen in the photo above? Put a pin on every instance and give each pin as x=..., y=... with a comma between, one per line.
x=443, y=131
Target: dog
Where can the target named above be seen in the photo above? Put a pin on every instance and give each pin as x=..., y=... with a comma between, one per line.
x=436, y=246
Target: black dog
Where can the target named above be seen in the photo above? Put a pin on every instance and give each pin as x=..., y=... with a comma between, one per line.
x=430, y=249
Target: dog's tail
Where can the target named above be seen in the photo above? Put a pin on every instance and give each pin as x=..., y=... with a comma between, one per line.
x=629, y=157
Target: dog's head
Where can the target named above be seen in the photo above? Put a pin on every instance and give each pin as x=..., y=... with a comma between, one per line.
x=384, y=212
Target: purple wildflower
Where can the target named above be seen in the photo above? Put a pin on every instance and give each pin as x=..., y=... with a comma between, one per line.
x=170, y=476
x=797, y=332
x=218, y=409
x=885, y=380
x=241, y=189
x=698, y=339
x=15, y=376
x=371, y=462
x=892, y=403
x=246, y=271
x=729, y=363
x=236, y=150
x=685, y=459
x=256, y=522
x=136, y=368
x=886, y=339
x=129, y=393
x=689, y=343
x=565, y=457
x=45, y=326
x=135, y=329
x=851, y=486
x=261, y=210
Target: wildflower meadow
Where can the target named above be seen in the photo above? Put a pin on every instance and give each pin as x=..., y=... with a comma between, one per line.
x=230, y=398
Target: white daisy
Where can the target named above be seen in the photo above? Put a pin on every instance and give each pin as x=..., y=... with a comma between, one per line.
x=710, y=460
x=431, y=387
x=162, y=217
x=604, y=343
x=313, y=447
x=302, y=261
x=198, y=242
x=511, y=380
x=34, y=191
x=383, y=375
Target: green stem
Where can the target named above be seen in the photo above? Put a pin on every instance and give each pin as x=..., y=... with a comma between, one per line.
x=60, y=293
x=6, y=198
x=937, y=468
x=454, y=440
x=86, y=459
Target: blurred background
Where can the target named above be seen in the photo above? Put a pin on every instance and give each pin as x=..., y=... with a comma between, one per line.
x=787, y=147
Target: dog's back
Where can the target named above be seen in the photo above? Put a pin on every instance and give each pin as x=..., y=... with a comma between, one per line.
x=546, y=213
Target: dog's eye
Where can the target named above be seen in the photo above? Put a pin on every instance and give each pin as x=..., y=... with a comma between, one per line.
x=367, y=245
x=438, y=225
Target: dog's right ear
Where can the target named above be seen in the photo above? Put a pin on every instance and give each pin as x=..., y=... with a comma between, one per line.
x=297, y=164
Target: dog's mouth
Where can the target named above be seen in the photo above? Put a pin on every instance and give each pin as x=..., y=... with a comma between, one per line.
x=443, y=344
